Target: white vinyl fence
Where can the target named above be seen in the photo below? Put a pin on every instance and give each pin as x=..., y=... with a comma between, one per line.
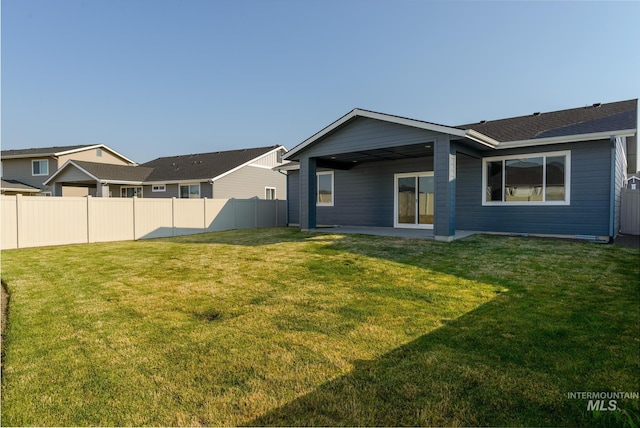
x=38, y=221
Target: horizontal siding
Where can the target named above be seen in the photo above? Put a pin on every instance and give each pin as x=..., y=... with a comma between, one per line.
x=250, y=182
x=587, y=214
x=269, y=160
x=364, y=195
x=367, y=134
x=73, y=174
x=92, y=156
x=20, y=169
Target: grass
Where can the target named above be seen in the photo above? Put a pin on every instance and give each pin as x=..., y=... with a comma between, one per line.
x=278, y=327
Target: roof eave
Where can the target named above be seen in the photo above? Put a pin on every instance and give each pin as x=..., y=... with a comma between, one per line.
x=481, y=138
x=219, y=176
x=20, y=189
x=567, y=139
x=95, y=146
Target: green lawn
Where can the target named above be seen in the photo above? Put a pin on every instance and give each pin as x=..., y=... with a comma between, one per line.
x=278, y=327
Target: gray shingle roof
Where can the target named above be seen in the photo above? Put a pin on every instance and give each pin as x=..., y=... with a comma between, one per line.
x=201, y=166
x=42, y=151
x=106, y=171
x=582, y=120
x=15, y=185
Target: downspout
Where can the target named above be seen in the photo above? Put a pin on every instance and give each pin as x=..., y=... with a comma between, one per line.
x=612, y=189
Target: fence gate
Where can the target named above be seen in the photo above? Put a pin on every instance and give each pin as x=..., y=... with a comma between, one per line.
x=630, y=212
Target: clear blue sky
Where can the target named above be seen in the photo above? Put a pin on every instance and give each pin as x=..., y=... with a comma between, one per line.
x=153, y=78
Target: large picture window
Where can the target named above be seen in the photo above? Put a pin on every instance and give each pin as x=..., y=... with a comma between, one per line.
x=541, y=178
x=325, y=188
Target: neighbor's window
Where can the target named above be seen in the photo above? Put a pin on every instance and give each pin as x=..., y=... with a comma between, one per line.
x=40, y=167
x=130, y=192
x=541, y=178
x=159, y=188
x=99, y=152
x=325, y=188
x=190, y=191
x=270, y=193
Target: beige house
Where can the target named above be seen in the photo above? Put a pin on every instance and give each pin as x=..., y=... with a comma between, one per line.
x=25, y=171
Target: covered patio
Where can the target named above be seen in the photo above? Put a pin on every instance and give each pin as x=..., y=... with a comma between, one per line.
x=382, y=172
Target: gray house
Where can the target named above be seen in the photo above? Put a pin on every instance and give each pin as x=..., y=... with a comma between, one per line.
x=242, y=174
x=557, y=173
x=25, y=171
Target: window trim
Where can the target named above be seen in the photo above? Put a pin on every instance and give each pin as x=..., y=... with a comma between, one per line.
x=189, y=184
x=333, y=194
x=266, y=189
x=545, y=155
x=158, y=188
x=132, y=187
x=416, y=175
x=39, y=160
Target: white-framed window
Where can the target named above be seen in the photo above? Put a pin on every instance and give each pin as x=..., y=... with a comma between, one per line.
x=99, y=152
x=159, y=188
x=270, y=193
x=527, y=179
x=40, y=167
x=324, y=192
x=189, y=191
x=131, y=191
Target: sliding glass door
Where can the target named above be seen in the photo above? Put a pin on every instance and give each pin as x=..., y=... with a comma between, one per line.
x=414, y=200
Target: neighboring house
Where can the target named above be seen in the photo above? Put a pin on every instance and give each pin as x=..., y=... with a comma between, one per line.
x=242, y=174
x=556, y=173
x=14, y=187
x=33, y=167
x=633, y=181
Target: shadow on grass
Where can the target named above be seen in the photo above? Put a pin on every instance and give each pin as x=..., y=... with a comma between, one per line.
x=477, y=370
x=563, y=326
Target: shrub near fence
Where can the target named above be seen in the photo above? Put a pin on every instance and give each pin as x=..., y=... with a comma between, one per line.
x=38, y=222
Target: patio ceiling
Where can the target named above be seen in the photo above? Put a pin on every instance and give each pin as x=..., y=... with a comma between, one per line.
x=351, y=159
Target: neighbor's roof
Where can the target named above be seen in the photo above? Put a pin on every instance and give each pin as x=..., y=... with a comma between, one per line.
x=16, y=186
x=56, y=151
x=43, y=151
x=596, y=118
x=203, y=166
x=106, y=172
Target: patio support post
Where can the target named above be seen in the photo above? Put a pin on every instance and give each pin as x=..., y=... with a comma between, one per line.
x=308, y=185
x=444, y=163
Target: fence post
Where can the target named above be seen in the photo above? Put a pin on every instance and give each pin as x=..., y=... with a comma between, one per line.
x=233, y=207
x=204, y=214
x=173, y=216
x=89, y=210
x=134, y=203
x=18, y=217
x=256, y=209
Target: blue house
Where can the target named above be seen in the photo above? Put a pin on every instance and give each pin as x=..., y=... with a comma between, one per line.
x=557, y=173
